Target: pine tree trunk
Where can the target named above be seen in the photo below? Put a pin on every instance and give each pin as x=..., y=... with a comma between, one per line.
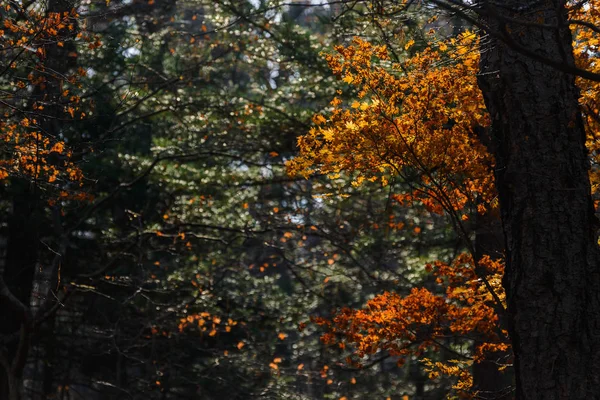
x=552, y=277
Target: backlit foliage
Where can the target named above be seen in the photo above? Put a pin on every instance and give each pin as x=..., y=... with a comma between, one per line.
x=35, y=94
x=418, y=121
x=411, y=325
x=414, y=119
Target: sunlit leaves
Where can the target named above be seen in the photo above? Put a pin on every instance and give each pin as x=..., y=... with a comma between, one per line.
x=36, y=92
x=411, y=325
x=416, y=120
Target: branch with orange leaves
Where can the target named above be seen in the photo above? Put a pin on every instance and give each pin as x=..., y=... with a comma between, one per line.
x=420, y=118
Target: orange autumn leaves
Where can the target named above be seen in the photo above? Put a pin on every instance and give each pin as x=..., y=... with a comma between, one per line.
x=415, y=120
x=418, y=120
x=27, y=148
x=408, y=326
x=206, y=323
x=30, y=153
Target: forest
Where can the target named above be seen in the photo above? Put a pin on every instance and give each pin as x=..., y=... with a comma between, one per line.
x=299, y=199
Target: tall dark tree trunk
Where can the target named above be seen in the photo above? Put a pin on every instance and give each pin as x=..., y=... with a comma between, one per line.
x=15, y=288
x=37, y=374
x=552, y=277
x=488, y=380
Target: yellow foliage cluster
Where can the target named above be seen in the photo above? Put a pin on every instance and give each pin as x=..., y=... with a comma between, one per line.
x=416, y=120
x=459, y=369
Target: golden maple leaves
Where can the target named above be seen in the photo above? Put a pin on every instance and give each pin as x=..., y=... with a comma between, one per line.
x=408, y=326
x=415, y=120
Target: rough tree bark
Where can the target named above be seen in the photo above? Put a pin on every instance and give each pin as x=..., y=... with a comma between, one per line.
x=552, y=277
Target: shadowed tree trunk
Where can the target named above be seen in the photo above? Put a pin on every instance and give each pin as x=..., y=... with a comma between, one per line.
x=552, y=277
x=38, y=372
x=488, y=381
